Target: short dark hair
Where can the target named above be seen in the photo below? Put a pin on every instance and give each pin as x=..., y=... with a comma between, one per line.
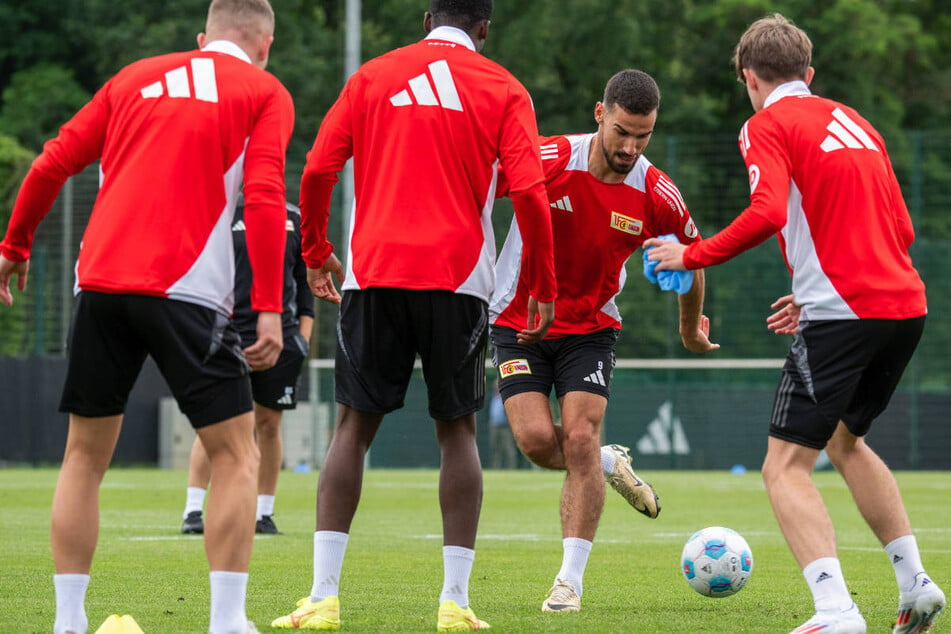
x=465, y=14
x=633, y=90
x=775, y=49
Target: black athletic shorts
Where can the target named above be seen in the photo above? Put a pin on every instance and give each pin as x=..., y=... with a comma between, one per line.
x=840, y=370
x=196, y=349
x=276, y=387
x=576, y=363
x=379, y=334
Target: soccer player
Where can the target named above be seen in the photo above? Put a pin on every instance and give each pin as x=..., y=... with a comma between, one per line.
x=176, y=135
x=427, y=126
x=605, y=199
x=821, y=179
x=275, y=389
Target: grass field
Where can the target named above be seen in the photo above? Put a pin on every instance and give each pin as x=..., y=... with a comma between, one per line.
x=393, y=571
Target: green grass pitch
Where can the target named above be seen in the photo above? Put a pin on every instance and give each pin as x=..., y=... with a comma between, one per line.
x=393, y=569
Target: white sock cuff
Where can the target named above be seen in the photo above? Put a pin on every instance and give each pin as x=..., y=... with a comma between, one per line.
x=905, y=541
x=331, y=537
x=71, y=579
x=265, y=505
x=608, y=460
x=458, y=551
x=577, y=543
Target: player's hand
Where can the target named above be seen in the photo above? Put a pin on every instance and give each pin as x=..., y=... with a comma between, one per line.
x=321, y=280
x=668, y=254
x=785, y=321
x=263, y=353
x=540, y=316
x=9, y=268
x=698, y=340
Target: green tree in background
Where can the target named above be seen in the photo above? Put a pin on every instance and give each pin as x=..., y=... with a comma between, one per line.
x=15, y=160
x=891, y=59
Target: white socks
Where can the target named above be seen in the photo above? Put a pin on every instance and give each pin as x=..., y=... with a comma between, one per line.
x=228, y=592
x=608, y=461
x=829, y=592
x=574, y=560
x=329, y=548
x=457, y=566
x=70, y=603
x=265, y=505
x=194, y=500
x=906, y=560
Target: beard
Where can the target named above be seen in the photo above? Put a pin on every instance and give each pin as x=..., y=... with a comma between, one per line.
x=616, y=163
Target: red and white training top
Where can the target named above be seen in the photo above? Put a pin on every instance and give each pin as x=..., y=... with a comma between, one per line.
x=176, y=135
x=427, y=126
x=596, y=226
x=821, y=177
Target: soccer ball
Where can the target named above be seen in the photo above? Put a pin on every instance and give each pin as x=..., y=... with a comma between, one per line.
x=716, y=562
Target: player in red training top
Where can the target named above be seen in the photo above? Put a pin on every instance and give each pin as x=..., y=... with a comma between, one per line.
x=427, y=126
x=818, y=171
x=176, y=135
x=605, y=199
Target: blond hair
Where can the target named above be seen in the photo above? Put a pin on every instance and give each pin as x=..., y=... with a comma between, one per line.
x=775, y=49
x=252, y=19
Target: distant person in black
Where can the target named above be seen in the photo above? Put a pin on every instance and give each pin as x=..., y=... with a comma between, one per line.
x=274, y=389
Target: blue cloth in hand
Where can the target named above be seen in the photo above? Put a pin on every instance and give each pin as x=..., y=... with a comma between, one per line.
x=679, y=281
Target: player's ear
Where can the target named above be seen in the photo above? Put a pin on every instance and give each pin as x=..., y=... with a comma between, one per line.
x=202, y=39
x=427, y=22
x=599, y=113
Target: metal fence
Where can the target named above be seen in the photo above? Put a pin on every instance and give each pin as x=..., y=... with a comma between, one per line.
x=711, y=175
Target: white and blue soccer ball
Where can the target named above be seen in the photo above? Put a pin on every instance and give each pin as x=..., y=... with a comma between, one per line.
x=716, y=562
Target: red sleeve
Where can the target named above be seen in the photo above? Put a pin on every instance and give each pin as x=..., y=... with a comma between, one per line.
x=770, y=172
x=534, y=223
x=745, y=232
x=330, y=152
x=78, y=144
x=670, y=213
x=265, y=213
x=906, y=230
x=522, y=161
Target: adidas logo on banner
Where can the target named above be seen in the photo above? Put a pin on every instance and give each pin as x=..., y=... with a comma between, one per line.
x=177, y=85
x=823, y=576
x=843, y=133
x=563, y=203
x=665, y=435
x=594, y=377
x=441, y=91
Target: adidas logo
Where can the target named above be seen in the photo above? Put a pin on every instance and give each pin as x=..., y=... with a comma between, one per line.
x=439, y=91
x=549, y=151
x=563, y=203
x=897, y=558
x=845, y=133
x=665, y=435
x=823, y=576
x=177, y=85
x=288, y=398
x=594, y=377
x=238, y=226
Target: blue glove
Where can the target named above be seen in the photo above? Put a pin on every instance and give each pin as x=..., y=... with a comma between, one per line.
x=679, y=281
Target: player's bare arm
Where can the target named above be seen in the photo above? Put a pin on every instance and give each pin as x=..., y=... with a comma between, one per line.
x=263, y=353
x=540, y=317
x=321, y=280
x=694, y=325
x=668, y=255
x=785, y=321
x=9, y=268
